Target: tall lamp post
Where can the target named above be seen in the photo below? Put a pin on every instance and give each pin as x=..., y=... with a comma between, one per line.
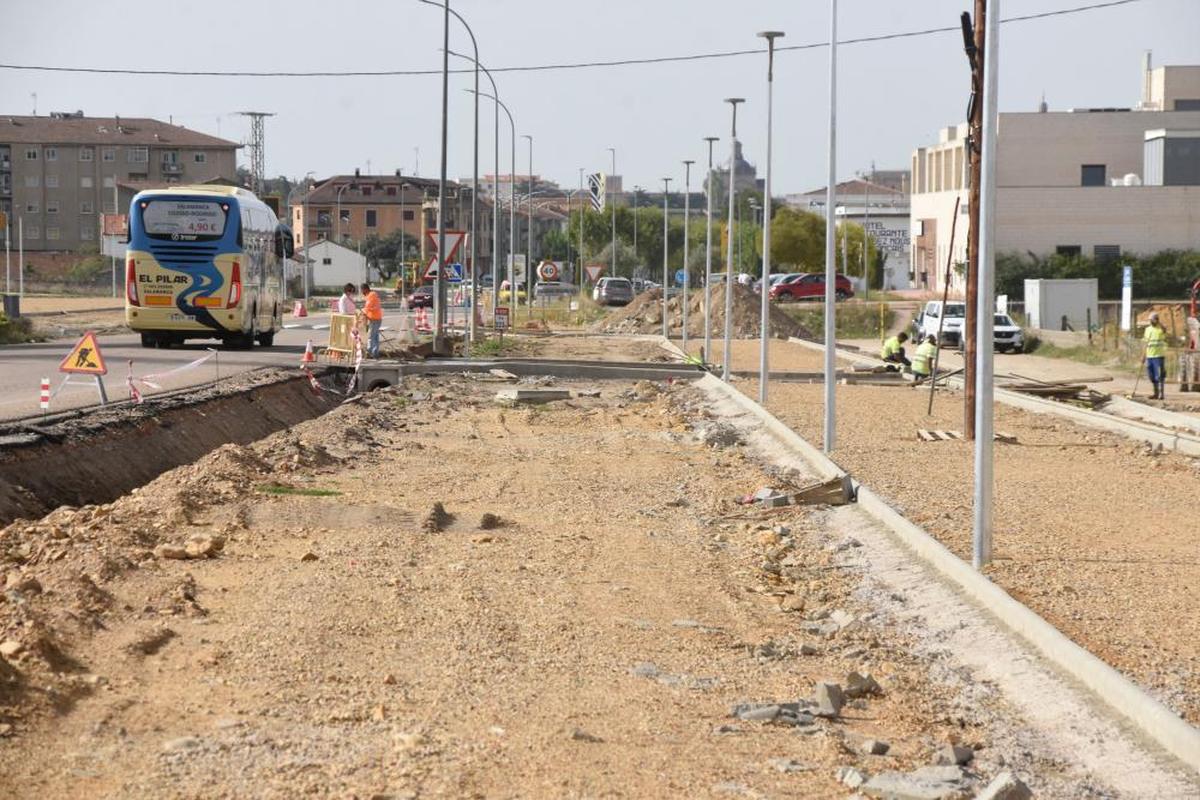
x=475, y=174
x=496, y=200
x=612, y=203
x=582, y=208
x=637, y=191
x=770, y=36
x=708, y=193
x=303, y=233
x=666, y=240
x=529, y=233
x=725, y=356
x=338, y=196
x=439, y=295
x=687, y=276
x=830, y=256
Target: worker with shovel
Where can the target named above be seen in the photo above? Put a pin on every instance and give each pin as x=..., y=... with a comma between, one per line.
x=893, y=350
x=922, y=363
x=1155, y=340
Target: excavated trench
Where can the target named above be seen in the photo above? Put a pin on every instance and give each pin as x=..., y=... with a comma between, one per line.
x=99, y=455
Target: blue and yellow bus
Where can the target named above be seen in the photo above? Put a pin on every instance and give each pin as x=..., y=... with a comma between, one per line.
x=204, y=262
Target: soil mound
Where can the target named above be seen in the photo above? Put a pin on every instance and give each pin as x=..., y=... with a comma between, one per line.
x=644, y=315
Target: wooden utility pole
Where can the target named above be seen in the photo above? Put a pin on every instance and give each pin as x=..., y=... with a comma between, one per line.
x=973, y=43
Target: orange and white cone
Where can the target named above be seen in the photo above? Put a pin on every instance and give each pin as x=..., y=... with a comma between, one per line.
x=308, y=358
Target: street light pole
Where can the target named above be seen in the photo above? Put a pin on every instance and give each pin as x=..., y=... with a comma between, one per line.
x=637, y=190
x=511, y=195
x=439, y=295
x=612, y=203
x=529, y=233
x=687, y=277
x=582, y=208
x=765, y=285
x=830, y=244
x=666, y=248
x=303, y=232
x=341, y=189
x=984, y=319
x=708, y=192
x=725, y=356
x=475, y=177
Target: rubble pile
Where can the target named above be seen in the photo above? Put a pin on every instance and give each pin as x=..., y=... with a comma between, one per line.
x=644, y=315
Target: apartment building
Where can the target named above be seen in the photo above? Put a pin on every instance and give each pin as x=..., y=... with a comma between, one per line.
x=58, y=172
x=1098, y=182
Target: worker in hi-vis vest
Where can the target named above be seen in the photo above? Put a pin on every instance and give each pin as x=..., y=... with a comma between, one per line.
x=1155, y=340
x=922, y=363
x=893, y=350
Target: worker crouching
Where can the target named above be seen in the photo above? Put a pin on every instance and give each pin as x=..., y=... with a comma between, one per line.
x=893, y=350
x=922, y=362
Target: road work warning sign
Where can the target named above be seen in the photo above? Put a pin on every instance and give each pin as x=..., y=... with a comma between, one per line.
x=85, y=357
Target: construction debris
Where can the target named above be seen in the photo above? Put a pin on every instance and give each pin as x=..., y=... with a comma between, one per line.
x=644, y=315
x=952, y=436
x=1074, y=393
x=514, y=395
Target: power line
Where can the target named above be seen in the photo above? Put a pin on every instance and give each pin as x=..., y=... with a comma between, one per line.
x=551, y=67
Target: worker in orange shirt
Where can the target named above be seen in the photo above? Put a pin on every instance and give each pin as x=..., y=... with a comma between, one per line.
x=373, y=311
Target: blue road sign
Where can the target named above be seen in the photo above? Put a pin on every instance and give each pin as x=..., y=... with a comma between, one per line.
x=456, y=273
x=679, y=277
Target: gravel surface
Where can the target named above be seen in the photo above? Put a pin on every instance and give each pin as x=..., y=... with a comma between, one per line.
x=623, y=628
x=1093, y=531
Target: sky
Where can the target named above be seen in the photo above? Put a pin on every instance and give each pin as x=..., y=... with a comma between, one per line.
x=893, y=96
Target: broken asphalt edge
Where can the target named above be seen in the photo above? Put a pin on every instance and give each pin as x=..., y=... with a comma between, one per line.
x=1186, y=443
x=1153, y=719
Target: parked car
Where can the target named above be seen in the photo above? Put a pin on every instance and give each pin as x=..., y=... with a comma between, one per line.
x=422, y=297
x=773, y=279
x=613, y=292
x=552, y=290
x=1007, y=335
x=810, y=286
x=926, y=323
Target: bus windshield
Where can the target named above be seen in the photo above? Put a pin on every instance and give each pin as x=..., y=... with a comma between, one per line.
x=184, y=220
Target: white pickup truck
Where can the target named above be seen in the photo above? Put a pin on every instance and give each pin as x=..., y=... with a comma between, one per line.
x=1007, y=334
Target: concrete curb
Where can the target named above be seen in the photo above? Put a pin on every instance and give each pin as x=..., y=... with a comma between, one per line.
x=1186, y=443
x=1150, y=716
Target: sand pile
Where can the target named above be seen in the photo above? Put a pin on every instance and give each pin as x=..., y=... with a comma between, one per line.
x=644, y=315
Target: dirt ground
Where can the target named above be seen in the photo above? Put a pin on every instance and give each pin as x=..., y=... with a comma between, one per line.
x=344, y=639
x=1092, y=531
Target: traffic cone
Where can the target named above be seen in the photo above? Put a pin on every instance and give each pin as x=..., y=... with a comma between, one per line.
x=299, y=310
x=308, y=358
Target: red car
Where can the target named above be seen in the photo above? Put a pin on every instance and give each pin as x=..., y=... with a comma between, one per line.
x=809, y=286
x=421, y=298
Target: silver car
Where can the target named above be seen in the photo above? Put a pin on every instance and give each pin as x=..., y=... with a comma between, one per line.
x=613, y=292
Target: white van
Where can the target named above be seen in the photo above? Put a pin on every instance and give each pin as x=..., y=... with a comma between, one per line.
x=926, y=323
x=1008, y=337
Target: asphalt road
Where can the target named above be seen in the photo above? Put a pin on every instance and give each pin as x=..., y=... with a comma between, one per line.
x=22, y=367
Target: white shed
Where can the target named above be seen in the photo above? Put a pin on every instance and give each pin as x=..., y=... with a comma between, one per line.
x=333, y=265
x=1047, y=301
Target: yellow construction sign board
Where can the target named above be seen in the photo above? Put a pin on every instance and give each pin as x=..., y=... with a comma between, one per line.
x=85, y=357
x=341, y=333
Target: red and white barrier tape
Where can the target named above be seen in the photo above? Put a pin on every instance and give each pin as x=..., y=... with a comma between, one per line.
x=149, y=380
x=134, y=394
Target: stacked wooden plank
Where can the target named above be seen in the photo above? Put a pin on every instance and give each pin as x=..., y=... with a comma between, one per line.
x=1065, y=392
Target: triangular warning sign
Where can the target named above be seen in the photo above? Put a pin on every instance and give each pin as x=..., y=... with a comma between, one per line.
x=454, y=240
x=594, y=271
x=85, y=357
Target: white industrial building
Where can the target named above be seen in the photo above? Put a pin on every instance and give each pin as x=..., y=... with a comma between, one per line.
x=1093, y=182
x=332, y=266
